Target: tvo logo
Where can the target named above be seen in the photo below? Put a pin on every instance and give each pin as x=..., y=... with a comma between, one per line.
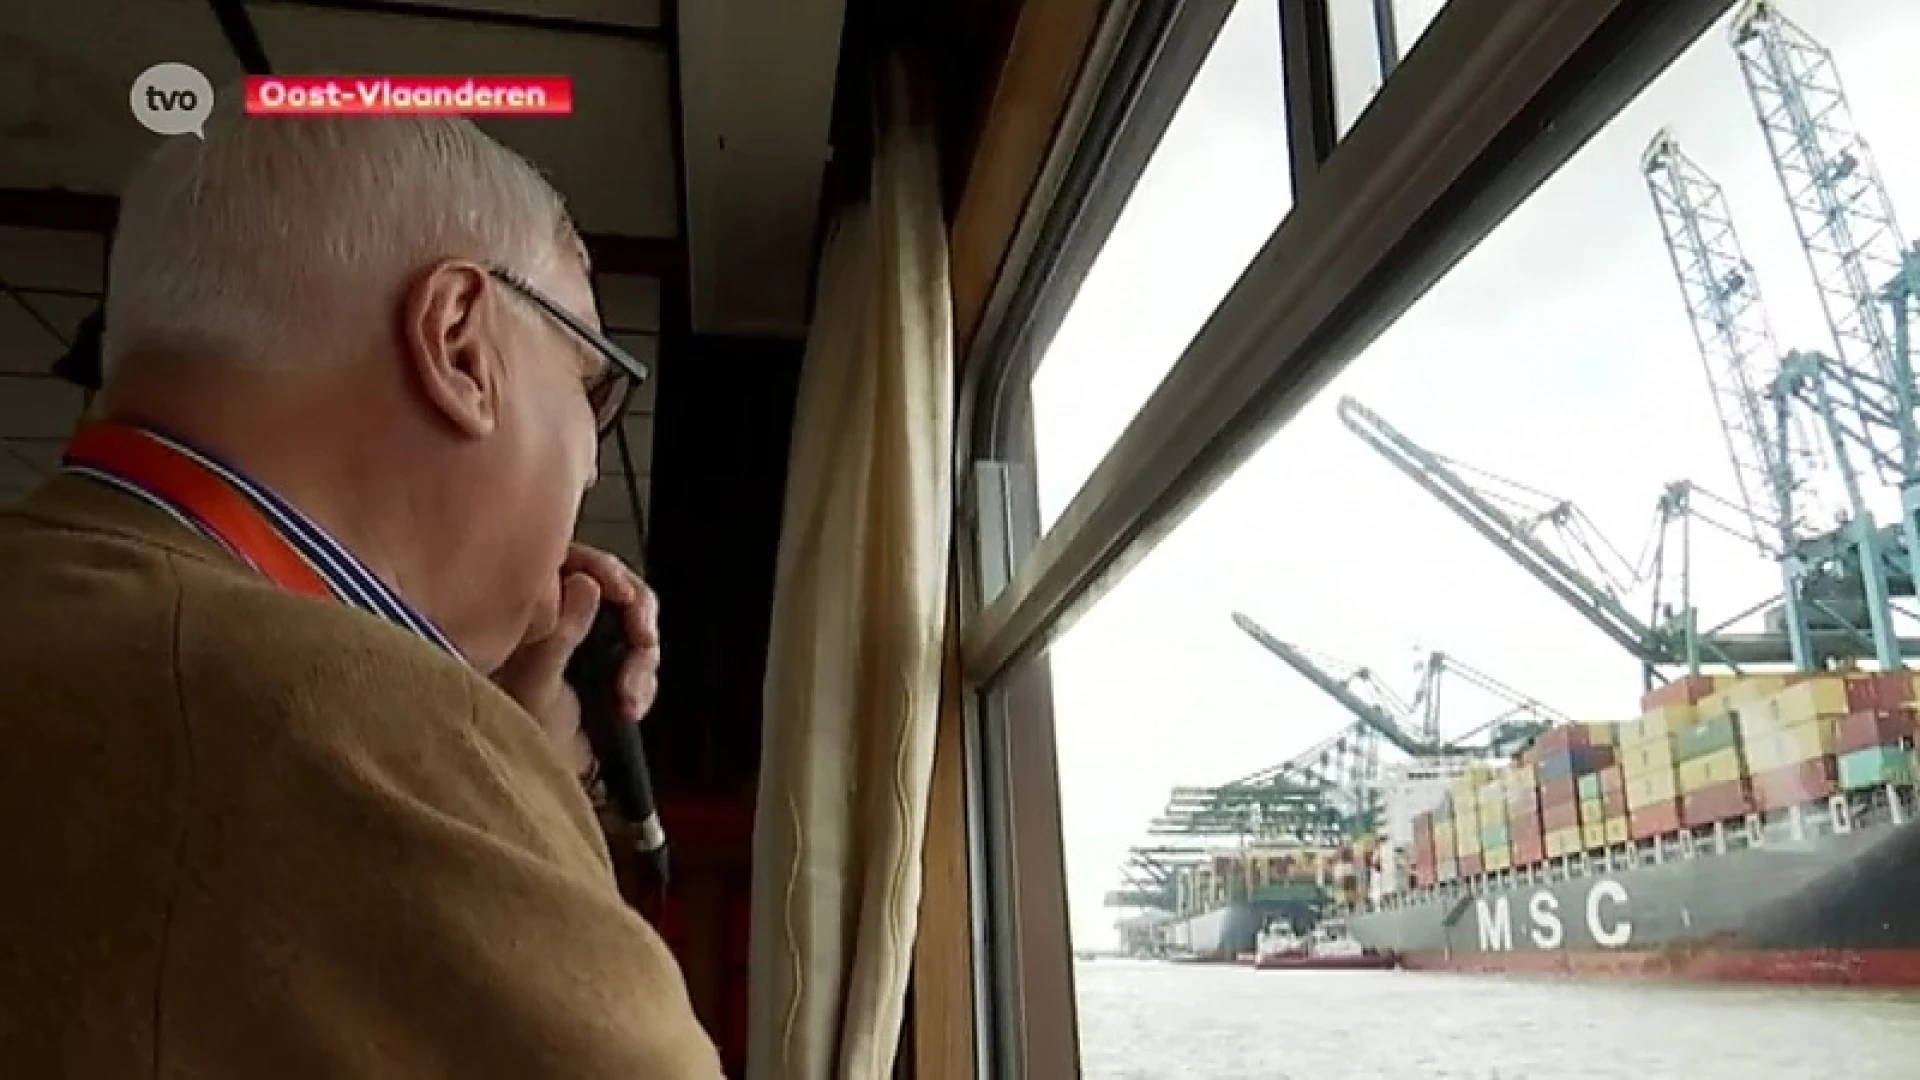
x=172, y=99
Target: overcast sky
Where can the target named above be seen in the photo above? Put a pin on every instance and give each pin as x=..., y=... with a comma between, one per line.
x=1557, y=354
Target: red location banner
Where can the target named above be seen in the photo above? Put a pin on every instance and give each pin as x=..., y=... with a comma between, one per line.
x=409, y=95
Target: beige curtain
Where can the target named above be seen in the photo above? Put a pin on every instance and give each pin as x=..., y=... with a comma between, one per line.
x=853, y=666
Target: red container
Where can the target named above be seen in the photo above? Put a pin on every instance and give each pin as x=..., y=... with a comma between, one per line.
x=1613, y=779
x=1654, y=819
x=1528, y=850
x=1721, y=802
x=1525, y=825
x=1614, y=803
x=1806, y=781
x=1528, y=800
x=1877, y=691
x=1688, y=690
x=1561, y=739
x=1868, y=728
x=1557, y=792
x=1560, y=816
x=1471, y=865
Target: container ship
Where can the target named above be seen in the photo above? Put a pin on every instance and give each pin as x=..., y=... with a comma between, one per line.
x=1757, y=829
x=1218, y=905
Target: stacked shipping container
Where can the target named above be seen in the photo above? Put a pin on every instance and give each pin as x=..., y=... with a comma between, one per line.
x=1705, y=750
x=1789, y=739
x=1565, y=760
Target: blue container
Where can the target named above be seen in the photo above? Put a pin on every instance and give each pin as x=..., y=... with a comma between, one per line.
x=1876, y=766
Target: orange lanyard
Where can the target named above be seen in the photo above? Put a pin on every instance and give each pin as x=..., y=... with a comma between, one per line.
x=150, y=468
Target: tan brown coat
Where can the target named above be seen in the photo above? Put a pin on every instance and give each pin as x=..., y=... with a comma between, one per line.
x=250, y=834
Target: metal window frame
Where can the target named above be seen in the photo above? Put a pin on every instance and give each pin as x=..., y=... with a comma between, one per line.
x=1498, y=96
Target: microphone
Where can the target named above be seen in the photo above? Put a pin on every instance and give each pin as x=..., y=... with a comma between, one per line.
x=594, y=671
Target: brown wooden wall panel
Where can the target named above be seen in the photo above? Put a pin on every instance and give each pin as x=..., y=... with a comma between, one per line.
x=1031, y=89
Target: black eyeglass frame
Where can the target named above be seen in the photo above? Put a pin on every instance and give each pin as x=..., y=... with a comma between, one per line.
x=620, y=362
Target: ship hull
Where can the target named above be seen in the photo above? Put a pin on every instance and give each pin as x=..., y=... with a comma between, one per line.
x=1832, y=910
x=1357, y=962
x=1222, y=935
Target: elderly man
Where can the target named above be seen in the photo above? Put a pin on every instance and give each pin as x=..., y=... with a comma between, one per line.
x=290, y=772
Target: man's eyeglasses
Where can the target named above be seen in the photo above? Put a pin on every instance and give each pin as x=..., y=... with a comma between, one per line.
x=623, y=374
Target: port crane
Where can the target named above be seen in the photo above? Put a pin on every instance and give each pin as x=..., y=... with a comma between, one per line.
x=1150, y=877
x=1864, y=273
x=1321, y=797
x=1760, y=394
x=1661, y=640
x=1837, y=576
x=1413, y=727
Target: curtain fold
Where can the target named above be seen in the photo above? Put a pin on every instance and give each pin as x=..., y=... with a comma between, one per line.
x=852, y=689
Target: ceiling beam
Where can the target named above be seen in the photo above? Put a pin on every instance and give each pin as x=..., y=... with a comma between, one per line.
x=57, y=209
x=237, y=27
x=78, y=211
x=660, y=36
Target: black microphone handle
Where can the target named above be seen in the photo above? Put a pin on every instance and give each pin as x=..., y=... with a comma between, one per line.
x=593, y=672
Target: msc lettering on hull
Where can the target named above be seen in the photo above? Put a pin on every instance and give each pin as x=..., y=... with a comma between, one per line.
x=1606, y=913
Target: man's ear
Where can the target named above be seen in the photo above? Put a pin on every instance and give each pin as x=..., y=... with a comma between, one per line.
x=450, y=334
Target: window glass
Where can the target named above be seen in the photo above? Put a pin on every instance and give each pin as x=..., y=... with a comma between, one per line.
x=1529, y=808
x=1368, y=38
x=1210, y=195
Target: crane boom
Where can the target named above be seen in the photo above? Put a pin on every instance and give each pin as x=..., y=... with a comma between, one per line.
x=1375, y=718
x=1651, y=646
x=1847, y=227
x=1443, y=483
x=1735, y=337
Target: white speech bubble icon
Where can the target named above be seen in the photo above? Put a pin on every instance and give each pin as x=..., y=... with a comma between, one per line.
x=172, y=99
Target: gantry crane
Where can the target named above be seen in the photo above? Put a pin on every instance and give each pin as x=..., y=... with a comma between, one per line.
x=1862, y=267
x=1322, y=797
x=1413, y=727
x=1667, y=639
x=1774, y=463
x=1149, y=877
x=1864, y=272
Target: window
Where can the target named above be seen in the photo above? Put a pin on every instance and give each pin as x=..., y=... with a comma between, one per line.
x=1299, y=706
x=1368, y=41
x=1216, y=184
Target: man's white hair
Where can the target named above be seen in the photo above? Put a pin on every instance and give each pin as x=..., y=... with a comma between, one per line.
x=281, y=239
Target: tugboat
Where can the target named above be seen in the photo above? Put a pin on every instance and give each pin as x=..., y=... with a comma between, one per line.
x=1328, y=948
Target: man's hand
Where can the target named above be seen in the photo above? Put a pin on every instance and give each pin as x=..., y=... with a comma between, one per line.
x=534, y=675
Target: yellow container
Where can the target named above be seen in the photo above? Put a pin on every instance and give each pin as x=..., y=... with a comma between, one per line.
x=1591, y=811
x=1604, y=733
x=1751, y=687
x=1443, y=834
x=1617, y=831
x=1719, y=767
x=1662, y=721
x=1756, y=719
x=1567, y=841
x=1793, y=745
x=1498, y=859
x=1520, y=779
x=1593, y=836
x=1649, y=788
x=1801, y=702
x=1467, y=842
x=1650, y=755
